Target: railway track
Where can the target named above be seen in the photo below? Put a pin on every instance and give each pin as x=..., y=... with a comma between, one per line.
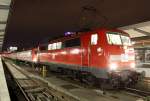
x=41, y=94
x=137, y=91
x=131, y=91
x=37, y=94
x=27, y=84
x=34, y=90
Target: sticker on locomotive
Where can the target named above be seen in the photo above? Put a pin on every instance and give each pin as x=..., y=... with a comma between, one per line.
x=124, y=57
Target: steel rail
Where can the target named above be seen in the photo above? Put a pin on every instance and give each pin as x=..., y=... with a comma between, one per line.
x=25, y=95
x=137, y=91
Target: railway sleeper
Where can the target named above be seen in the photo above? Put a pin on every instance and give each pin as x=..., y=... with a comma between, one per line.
x=35, y=90
x=32, y=98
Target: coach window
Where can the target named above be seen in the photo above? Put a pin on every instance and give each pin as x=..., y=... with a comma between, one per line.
x=94, y=39
x=54, y=46
x=50, y=47
x=73, y=42
x=59, y=45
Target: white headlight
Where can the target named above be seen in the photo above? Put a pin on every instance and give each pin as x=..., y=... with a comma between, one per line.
x=132, y=65
x=113, y=66
x=34, y=59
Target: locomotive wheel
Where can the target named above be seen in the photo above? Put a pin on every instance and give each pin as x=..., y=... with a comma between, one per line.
x=89, y=79
x=70, y=73
x=115, y=83
x=105, y=84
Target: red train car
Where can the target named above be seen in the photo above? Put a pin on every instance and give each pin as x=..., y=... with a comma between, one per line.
x=103, y=53
x=28, y=55
x=24, y=56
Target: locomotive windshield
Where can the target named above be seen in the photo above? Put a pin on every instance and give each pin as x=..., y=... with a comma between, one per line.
x=116, y=38
x=125, y=40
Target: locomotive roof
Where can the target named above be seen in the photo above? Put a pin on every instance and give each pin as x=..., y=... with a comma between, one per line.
x=77, y=34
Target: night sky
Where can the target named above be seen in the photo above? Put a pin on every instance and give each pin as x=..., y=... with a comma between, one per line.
x=36, y=21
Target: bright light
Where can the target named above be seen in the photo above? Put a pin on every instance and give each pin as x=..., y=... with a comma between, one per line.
x=132, y=65
x=133, y=42
x=75, y=51
x=113, y=66
x=63, y=52
x=13, y=48
x=69, y=33
x=125, y=47
x=34, y=59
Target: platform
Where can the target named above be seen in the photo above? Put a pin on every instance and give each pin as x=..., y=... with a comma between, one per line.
x=144, y=67
x=4, y=94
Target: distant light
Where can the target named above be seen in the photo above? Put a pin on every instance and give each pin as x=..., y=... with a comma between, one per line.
x=63, y=52
x=133, y=42
x=75, y=51
x=69, y=33
x=13, y=48
x=35, y=59
x=113, y=66
x=132, y=65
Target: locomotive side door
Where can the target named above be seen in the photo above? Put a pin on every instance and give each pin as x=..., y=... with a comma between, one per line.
x=96, y=52
x=92, y=48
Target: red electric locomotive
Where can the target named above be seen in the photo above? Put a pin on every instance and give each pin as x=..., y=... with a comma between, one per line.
x=100, y=54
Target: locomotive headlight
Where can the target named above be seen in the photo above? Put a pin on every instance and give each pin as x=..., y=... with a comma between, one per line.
x=113, y=66
x=132, y=65
x=34, y=59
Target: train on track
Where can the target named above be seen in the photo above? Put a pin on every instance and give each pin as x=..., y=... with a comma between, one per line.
x=100, y=55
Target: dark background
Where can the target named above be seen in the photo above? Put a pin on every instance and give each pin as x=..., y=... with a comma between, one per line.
x=36, y=21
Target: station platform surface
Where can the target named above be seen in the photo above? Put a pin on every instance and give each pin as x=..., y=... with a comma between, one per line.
x=4, y=93
x=140, y=67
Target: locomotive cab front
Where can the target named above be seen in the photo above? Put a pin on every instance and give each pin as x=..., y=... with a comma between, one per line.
x=121, y=58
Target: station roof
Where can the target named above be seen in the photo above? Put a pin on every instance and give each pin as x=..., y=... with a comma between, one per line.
x=33, y=21
x=140, y=34
x=138, y=30
x=4, y=11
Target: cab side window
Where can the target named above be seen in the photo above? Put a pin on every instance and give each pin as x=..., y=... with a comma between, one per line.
x=59, y=45
x=94, y=39
x=53, y=46
x=50, y=47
